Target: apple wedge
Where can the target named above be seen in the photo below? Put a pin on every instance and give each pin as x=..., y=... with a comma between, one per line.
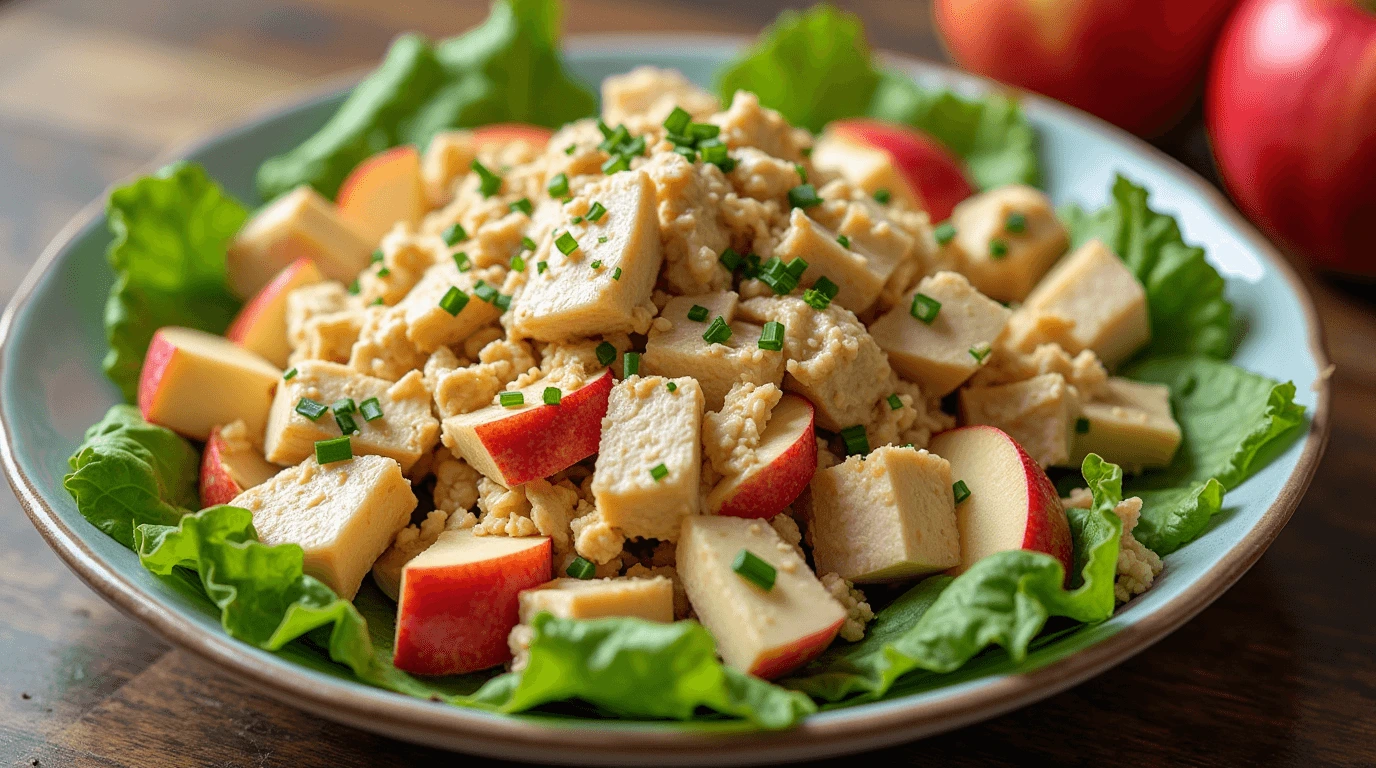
x=910, y=164
x=261, y=326
x=382, y=190
x=300, y=224
x=499, y=134
x=513, y=445
x=230, y=465
x=785, y=463
x=460, y=598
x=1012, y=503
x=192, y=380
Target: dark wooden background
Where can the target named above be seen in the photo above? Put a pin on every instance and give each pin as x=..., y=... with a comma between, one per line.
x=1280, y=671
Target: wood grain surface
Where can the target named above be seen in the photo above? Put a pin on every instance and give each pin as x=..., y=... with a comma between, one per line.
x=1280, y=671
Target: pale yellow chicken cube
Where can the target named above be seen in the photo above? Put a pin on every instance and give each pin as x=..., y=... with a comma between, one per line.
x=651, y=599
x=1130, y=424
x=430, y=326
x=681, y=350
x=1039, y=413
x=300, y=224
x=858, y=279
x=1008, y=238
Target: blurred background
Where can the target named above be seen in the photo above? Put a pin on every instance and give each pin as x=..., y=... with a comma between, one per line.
x=1280, y=671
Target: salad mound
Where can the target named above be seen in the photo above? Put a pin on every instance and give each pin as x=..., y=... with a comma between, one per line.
x=697, y=407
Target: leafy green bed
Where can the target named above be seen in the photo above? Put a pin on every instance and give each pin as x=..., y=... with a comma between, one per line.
x=137, y=482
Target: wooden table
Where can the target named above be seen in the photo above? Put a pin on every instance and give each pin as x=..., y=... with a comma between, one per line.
x=1280, y=671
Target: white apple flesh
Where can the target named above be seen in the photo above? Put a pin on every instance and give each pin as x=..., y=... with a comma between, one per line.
x=192, y=381
x=382, y=190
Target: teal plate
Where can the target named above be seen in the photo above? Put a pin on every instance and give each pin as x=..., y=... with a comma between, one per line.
x=52, y=388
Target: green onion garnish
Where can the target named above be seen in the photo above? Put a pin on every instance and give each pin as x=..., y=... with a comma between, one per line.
x=821, y=293
x=801, y=171
x=541, y=266
x=678, y=120
x=595, y=211
x=606, y=131
x=658, y=472
x=347, y=425
x=502, y=302
x=630, y=363
x=687, y=153
x=518, y=264
x=997, y=248
x=944, y=233
x=718, y=332
x=883, y=196
x=772, y=337
x=606, y=353
x=310, y=408
x=603, y=239
x=697, y=313
x=377, y=302
x=371, y=409
x=1015, y=223
x=980, y=351
x=559, y=185
x=566, y=243
x=671, y=386
x=797, y=267
x=730, y=259
x=528, y=244
x=485, y=292
x=753, y=569
x=383, y=272
x=289, y=375
x=461, y=261
x=924, y=308
x=454, y=234
x=570, y=149
x=353, y=288
x=616, y=273
x=715, y=152
x=552, y=395
x=596, y=264
x=377, y=255
x=894, y=402
x=961, y=490
x=1082, y=426
x=843, y=240
x=703, y=131
x=344, y=405
x=511, y=399
x=453, y=301
x=336, y=449
x=523, y=205
x=581, y=569
x=615, y=164
x=576, y=220
x=857, y=442
x=803, y=196
x=491, y=183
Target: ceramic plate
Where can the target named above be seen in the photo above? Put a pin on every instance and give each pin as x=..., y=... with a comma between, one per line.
x=52, y=388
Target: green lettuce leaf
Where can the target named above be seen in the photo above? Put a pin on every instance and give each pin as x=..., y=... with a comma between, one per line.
x=128, y=472
x=1184, y=292
x=815, y=66
x=1231, y=421
x=640, y=669
x=1004, y=600
x=506, y=70
x=170, y=231
x=264, y=597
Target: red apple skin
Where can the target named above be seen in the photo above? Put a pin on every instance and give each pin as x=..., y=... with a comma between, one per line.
x=784, y=660
x=774, y=487
x=268, y=307
x=1291, y=115
x=455, y=620
x=217, y=485
x=502, y=133
x=155, y=362
x=938, y=175
x=1138, y=65
x=537, y=442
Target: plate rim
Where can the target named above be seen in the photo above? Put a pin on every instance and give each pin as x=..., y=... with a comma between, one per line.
x=481, y=732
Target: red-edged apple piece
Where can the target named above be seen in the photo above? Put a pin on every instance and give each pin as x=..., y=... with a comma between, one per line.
x=460, y=598
x=514, y=445
x=910, y=164
x=498, y=134
x=382, y=190
x=193, y=380
x=261, y=326
x=1012, y=503
x=787, y=459
x=230, y=467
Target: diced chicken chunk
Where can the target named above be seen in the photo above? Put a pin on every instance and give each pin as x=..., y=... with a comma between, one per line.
x=1008, y=238
x=677, y=348
x=650, y=94
x=1039, y=413
x=858, y=278
x=1129, y=424
x=300, y=224
x=429, y=325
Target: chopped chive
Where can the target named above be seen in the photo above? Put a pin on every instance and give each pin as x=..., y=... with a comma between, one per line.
x=552, y=395
x=730, y=259
x=944, y=233
x=528, y=244
x=518, y=264
x=697, y=313
x=491, y=183
x=615, y=164
x=961, y=490
x=806, y=151
x=752, y=568
x=703, y=131
x=606, y=131
x=347, y=425
x=523, y=205
x=576, y=220
x=289, y=375
x=630, y=363
x=797, y=267
x=454, y=234
x=616, y=273
x=596, y=264
x=595, y=211
x=998, y=248
x=980, y=351
x=615, y=139
x=671, y=386
x=383, y=272
x=895, y=402
x=718, y=332
x=659, y=471
x=857, y=442
x=1081, y=426
x=502, y=302
x=336, y=449
x=606, y=353
x=717, y=153
x=454, y=301
x=603, y=239
x=558, y=186
x=1015, y=223
x=570, y=149
x=801, y=171
x=377, y=302
x=566, y=243
x=678, y=120
x=774, y=274
x=541, y=266
x=924, y=308
x=511, y=399
x=581, y=568
x=883, y=196
x=371, y=409
x=461, y=261
x=843, y=240
x=353, y=288
x=772, y=337
x=310, y=408
x=344, y=405
x=687, y=153
x=485, y=292
x=821, y=293
x=377, y=256
x=803, y=196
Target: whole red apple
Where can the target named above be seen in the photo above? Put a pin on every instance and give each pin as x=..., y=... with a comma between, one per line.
x=1291, y=113
x=1138, y=64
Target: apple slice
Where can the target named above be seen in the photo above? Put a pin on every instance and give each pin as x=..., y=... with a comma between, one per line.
x=230, y=466
x=460, y=598
x=499, y=134
x=533, y=440
x=299, y=224
x=382, y=190
x=1012, y=503
x=765, y=632
x=261, y=326
x=193, y=380
x=786, y=461
x=910, y=164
